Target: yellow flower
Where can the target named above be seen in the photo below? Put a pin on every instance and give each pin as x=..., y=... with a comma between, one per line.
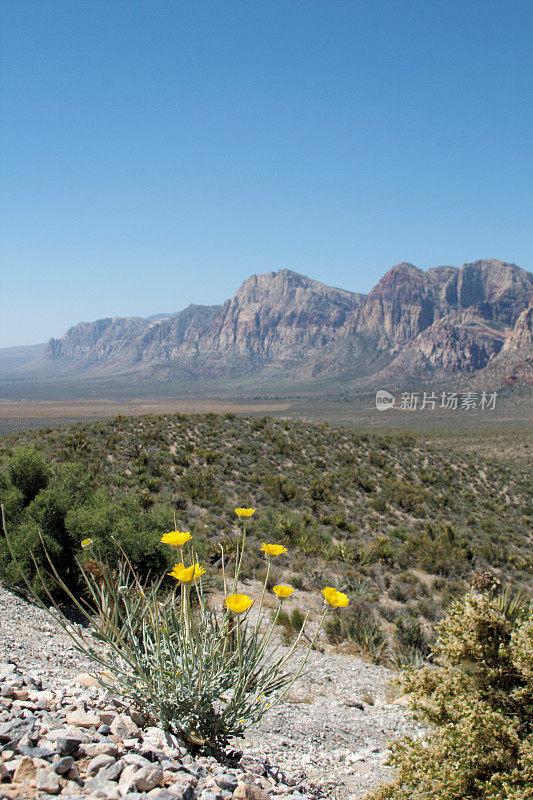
x=176, y=538
x=335, y=598
x=238, y=603
x=186, y=574
x=273, y=549
x=86, y=542
x=244, y=512
x=283, y=591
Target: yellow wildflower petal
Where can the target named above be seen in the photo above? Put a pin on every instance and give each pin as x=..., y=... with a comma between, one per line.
x=273, y=549
x=244, y=512
x=176, y=538
x=238, y=603
x=283, y=591
x=186, y=574
x=334, y=598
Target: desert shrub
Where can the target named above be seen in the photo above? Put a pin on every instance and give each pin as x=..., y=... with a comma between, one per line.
x=289, y=527
x=410, y=634
x=440, y=550
x=379, y=504
x=297, y=619
x=11, y=498
x=291, y=623
x=197, y=484
x=479, y=703
x=28, y=472
x=407, y=496
x=279, y=488
x=115, y=526
x=359, y=626
x=46, y=515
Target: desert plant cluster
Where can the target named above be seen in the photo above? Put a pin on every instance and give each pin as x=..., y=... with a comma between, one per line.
x=202, y=675
x=398, y=524
x=478, y=704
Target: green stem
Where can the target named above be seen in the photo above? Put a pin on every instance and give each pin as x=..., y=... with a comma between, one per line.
x=238, y=559
x=262, y=596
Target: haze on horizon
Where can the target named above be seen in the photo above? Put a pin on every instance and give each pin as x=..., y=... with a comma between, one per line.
x=159, y=154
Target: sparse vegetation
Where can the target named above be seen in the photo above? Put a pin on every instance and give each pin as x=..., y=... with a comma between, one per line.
x=408, y=520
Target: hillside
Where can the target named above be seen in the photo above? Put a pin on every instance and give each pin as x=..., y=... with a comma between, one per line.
x=399, y=524
x=429, y=325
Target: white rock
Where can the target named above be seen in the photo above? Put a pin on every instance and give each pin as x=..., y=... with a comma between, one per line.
x=125, y=727
x=148, y=778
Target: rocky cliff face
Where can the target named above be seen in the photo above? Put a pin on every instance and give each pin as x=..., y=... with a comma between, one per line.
x=442, y=321
x=521, y=337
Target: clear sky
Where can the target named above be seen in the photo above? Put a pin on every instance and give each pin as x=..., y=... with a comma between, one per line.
x=155, y=154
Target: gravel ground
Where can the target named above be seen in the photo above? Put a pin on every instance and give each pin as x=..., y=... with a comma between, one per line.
x=332, y=729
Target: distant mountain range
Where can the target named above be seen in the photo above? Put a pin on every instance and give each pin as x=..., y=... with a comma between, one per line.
x=430, y=325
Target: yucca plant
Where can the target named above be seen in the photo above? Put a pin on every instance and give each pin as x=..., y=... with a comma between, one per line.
x=203, y=674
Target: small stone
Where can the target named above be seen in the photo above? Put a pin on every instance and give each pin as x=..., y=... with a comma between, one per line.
x=252, y=765
x=73, y=774
x=63, y=765
x=14, y=729
x=128, y=775
x=170, y=766
x=125, y=727
x=100, y=787
x=106, y=717
x=354, y=704
x=46, y=780
x=99, y=748
x=98, y=763
x=25, y=770
x=249, y=791
x=138, y=760
x=71, y=789
x=84, y=679
x=113, y=771
x=226, y=781
x=155, y=735
x=35, y=752
x=83, y=719
x=182, y=792
x=72, y=732
x=67, y=745
x=137, y=718
x=148, y=777
x=103, y=730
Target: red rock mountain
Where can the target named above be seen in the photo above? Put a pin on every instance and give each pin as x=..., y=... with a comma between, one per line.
x=435, y=323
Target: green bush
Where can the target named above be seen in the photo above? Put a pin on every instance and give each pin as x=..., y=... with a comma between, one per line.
x=28, y=472
x=27, y=546
x=479, y=703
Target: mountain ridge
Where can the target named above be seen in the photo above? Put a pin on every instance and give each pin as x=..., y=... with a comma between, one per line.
x=434, y=324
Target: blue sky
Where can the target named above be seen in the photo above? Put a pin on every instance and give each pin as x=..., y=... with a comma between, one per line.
x=157, y=153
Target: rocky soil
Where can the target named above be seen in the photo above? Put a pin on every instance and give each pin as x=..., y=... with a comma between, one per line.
x=62, y=734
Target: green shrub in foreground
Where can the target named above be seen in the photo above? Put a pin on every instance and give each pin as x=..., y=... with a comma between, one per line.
x=479, y=702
